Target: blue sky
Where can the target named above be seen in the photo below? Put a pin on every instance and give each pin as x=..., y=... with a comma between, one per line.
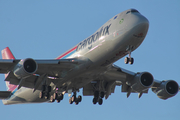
x=45, y=29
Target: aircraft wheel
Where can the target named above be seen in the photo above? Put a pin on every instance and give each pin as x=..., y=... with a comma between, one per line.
x=52, y=99
x=126, y=60
x=73, y=98
x=95, y=100
x=100, y=101
x=79, y=98
x=58, y=101
x=46, y=95
x=77, y=102
x=131, y=61
x=61, y=96
x=70, y=100
x=41, y=95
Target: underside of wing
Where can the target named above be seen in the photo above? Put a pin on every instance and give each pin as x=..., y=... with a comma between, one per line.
x=141, y=82
x=32, y=73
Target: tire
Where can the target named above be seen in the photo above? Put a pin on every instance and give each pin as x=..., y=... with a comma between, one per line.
x=76, y=103
x=46, y=95
x=126, y=60
x=70, y=100
x=61, y=96
x=52, y=99
x=79, y=98
x=94, y=100
x=100, y=101
x=73, y=98
x=131, y=61
x=55, y=96
x=41, y=95
x=58, y=101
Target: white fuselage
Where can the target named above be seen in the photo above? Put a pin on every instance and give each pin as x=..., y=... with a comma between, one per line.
x=107, y=45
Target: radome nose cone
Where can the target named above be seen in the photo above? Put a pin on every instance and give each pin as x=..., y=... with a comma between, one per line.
x=136, y=20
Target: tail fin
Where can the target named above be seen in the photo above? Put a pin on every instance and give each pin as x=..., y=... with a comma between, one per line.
x=7, y=54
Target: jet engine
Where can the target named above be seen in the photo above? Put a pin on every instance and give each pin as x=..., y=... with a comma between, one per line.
x=141, y=82
x=167, y=89
x=25, y=68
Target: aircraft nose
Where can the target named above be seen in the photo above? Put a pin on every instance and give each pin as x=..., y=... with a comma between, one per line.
x=134, y=20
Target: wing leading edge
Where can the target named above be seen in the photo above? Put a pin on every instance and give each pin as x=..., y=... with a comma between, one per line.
x=29, y=72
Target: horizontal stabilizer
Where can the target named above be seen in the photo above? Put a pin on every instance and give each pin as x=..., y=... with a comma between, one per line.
x=5, y=94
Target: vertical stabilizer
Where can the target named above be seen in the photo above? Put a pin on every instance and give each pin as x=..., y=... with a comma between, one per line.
x=7, y=54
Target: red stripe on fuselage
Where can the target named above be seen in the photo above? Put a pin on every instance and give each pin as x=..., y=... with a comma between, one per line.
x=67, y=53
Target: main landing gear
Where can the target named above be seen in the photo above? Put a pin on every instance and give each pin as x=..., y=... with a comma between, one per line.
x=75, y=99
x=129, y=59
x=57, y=97
x=98, y=97
x=45, y=93
x=99, y=92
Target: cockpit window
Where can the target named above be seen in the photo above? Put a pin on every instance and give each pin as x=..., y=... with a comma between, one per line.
x=132, y=11
x=128, y=12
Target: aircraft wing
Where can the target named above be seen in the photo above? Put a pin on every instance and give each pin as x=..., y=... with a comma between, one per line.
x=7, y=65
x=139, y=83
x=32, y=73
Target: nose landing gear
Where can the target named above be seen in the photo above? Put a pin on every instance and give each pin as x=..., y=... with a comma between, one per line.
x=129, y=59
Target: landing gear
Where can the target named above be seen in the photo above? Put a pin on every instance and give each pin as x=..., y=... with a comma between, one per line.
x=98, y=97
x=41, y=95
x=52, y=99
x=95, y=100
x=59, y=97
x=45, y=92
x=129, y=59
x=99, y=92
x=75, y=99
x=100, y=101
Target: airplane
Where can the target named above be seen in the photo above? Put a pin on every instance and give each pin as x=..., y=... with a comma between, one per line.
x=87, y=66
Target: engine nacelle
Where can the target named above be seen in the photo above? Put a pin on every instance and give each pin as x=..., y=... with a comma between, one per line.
x=25, y=68
x=167, y=89
x=142, y=81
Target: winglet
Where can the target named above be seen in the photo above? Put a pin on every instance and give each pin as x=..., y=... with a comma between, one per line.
x=7, y=54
